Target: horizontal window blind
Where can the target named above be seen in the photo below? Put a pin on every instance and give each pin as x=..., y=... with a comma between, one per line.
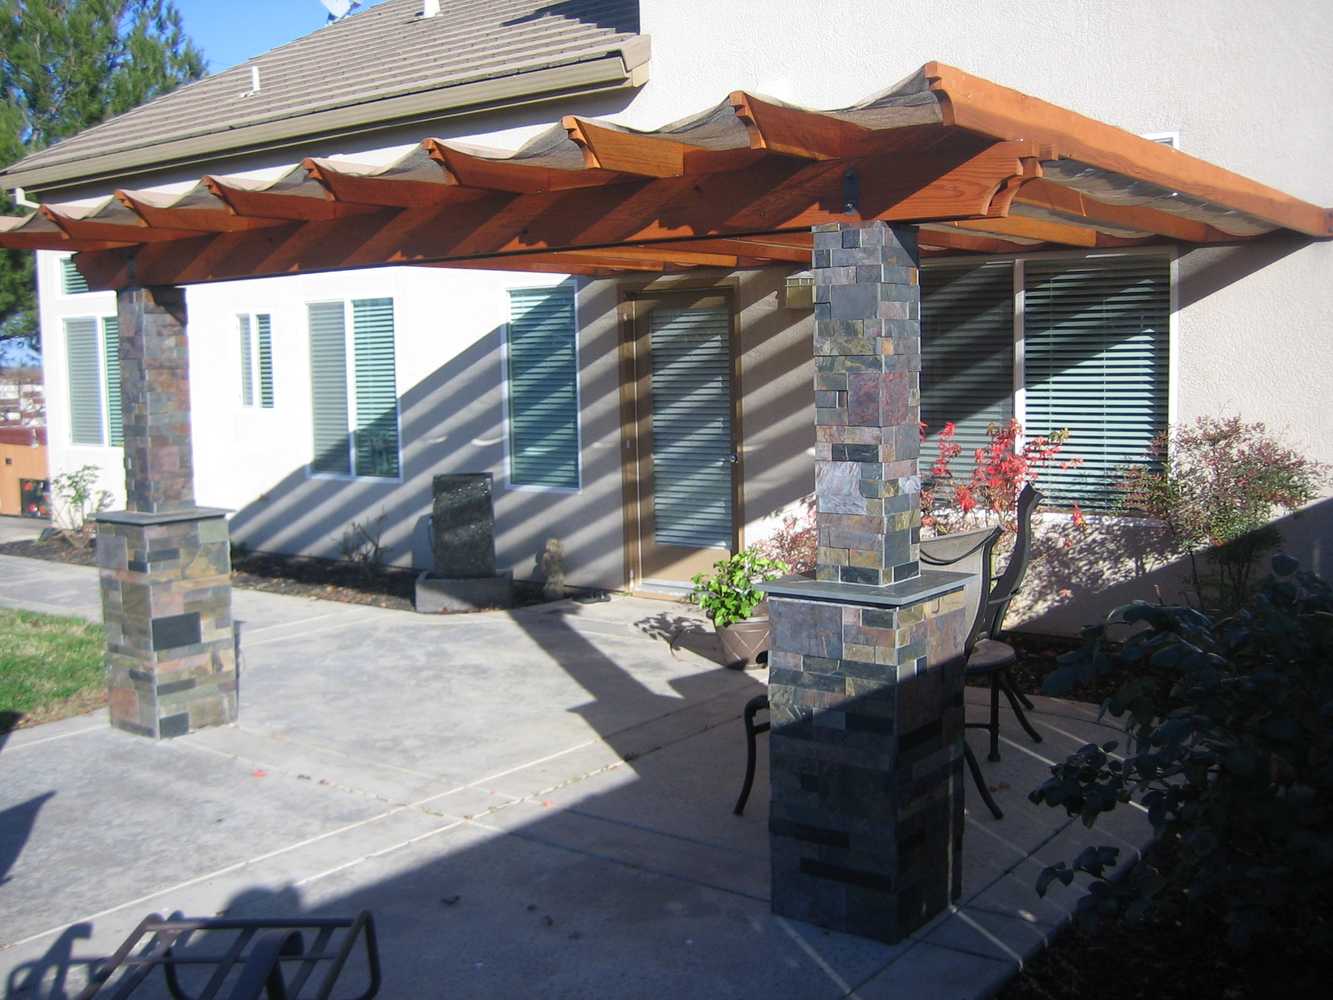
x=543, y=388
x=967, y=358
x=263, y=322
x=376, y=388
x=71, y=281
x=247, y=363
x=328, y=388
x=1096, y=362
x=85, y=381
x=691, y=420
x=111, y=350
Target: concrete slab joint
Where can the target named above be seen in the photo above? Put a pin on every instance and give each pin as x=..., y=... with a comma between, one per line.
x=866, y=668
x=164, y=564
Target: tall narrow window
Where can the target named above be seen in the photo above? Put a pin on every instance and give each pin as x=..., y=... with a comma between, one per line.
x=328, y=388
x=264, y=329
x=967, y=357
x=1096, y=361
x=247, y=363
x=82, y=353
x=376, y=389
x=355, y=421
x=543, y=388
x=111, y=350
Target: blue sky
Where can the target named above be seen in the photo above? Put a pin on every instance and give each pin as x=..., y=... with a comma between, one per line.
x=232, y=31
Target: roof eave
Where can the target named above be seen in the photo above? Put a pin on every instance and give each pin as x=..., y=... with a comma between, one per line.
x=621, y=68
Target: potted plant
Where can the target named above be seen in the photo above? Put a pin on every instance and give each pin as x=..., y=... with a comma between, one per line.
x=732, y=599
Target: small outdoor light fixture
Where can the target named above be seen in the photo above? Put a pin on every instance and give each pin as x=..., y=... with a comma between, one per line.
x=851, y=193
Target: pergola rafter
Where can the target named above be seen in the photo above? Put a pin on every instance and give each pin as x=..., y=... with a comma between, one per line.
x=981, y=168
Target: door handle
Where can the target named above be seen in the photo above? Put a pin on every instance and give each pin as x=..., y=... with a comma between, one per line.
x=734, y=458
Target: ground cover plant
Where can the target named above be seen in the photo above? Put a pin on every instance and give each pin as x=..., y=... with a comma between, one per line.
x=50, y=667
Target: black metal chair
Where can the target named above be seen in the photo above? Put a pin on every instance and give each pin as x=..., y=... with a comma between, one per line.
x=986, y=655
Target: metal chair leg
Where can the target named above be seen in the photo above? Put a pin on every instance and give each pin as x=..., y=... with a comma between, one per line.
x=756, y=704
x=994, y=725
x=1014, y=699
x=975, y=768
x=1027, y=702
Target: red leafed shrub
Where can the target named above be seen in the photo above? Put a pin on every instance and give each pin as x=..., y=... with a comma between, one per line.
x=796, y=542
x=1002, y=469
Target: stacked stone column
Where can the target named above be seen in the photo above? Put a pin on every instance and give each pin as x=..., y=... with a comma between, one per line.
x=164, y=563
x=866, y=668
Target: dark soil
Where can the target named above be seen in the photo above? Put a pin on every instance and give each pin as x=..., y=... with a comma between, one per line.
x=299, y=576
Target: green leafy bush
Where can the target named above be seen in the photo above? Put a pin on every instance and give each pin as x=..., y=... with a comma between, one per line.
x=731, y=593
x=1230, y=727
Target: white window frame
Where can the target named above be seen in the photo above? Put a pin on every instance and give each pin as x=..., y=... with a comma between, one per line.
x=1018, y=262
x=349, y=354
x=257, y=389
x=509, y=483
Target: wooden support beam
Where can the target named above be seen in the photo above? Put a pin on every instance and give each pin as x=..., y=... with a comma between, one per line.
x=777, y=194
x=553, y=263
x=281, y=205
x=98, y=231
x=1063, y=201
x=796, y=132
x=660, y=253
x=643, y=155
x=513, y=176
x=955, y=240
x=1032, y=229
x=384, y=192
x=755, y=247
x=205, y=220
x=987, y=108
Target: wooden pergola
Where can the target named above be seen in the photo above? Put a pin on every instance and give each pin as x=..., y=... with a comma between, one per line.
x=979, y=168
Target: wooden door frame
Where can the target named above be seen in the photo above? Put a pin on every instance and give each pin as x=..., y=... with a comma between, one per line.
x=627, y=294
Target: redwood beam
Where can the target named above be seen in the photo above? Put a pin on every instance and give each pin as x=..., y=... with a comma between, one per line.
x=642, y=155
x=98, y=231
x=777, y=194
x=194, y=219
x=796, y=132
x=1068, y=203
x=281, y=205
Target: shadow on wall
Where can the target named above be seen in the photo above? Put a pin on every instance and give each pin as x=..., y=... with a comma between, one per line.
x=612, y=15
x=453, y=421
x=1076, y=578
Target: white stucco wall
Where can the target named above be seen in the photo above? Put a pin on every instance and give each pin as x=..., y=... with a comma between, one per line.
x=1245, y=87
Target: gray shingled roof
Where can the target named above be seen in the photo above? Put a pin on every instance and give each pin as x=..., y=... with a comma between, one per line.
x=377, y=66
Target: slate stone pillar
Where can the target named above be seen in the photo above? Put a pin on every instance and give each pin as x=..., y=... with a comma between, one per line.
x=165, y=564
x=865, y=671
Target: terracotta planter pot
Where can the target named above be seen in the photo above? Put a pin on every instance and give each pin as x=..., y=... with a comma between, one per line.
x=743, y=641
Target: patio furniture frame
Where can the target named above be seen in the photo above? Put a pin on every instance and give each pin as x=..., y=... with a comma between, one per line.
x=272, y=944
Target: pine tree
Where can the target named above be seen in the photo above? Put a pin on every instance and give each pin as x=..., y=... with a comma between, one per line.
x=66, y=65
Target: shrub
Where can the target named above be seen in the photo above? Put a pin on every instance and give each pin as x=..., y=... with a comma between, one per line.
x=731, y=593
x=78, y=497
x=1230, y=724
x=362, y=546
x=991, y=494
x=1217, y=485
x=796, y=542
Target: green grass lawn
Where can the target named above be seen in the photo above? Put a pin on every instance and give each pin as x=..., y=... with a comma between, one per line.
x=50, y=667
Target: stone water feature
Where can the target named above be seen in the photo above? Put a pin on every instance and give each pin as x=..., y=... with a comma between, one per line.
x=462, y=541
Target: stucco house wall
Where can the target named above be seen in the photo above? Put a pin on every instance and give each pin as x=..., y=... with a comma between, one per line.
x=1250, y=327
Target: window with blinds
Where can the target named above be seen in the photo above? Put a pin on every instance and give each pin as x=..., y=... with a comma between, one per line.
x=71, y=281
x=967, y=358
x=543, y=388
x=264, y=327
x=1096, y=338
x=355, y=421
x=1095, y=344
x=111, y=353
x=256, y=341
x=247, y=363
x=328, y=389
x=82, y=356
x=376, y=437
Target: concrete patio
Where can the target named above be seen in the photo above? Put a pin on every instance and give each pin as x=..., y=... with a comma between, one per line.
x=531, y=803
